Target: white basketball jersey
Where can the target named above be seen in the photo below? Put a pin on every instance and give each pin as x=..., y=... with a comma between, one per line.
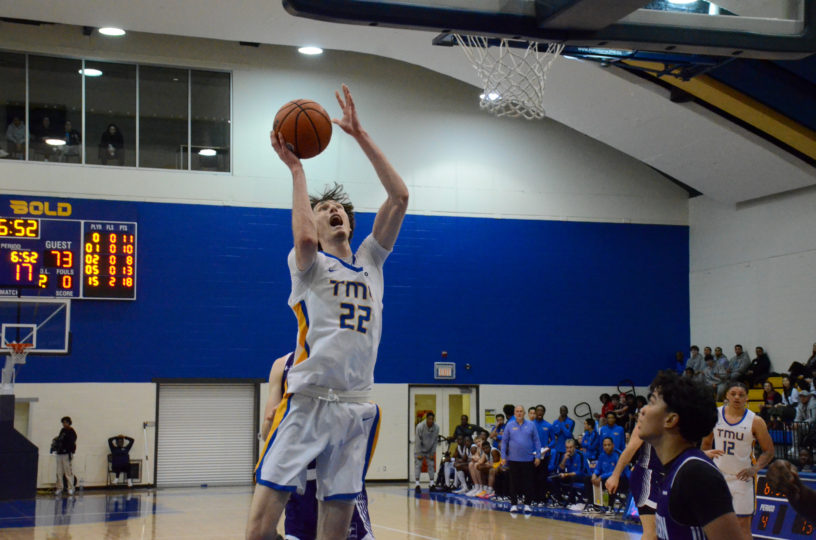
x=735, y=440
x=338, y=305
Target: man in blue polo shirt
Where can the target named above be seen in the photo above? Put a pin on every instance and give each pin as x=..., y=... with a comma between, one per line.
x=561, y=430
x=614, y=432
x=604, y=468
x=520, y=450
x=572, y=469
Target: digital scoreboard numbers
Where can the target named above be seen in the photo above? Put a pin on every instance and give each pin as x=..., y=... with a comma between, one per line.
x=67, y=258
x=775, y=518
x=109, y=269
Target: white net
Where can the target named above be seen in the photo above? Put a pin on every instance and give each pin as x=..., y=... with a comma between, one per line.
x=513, y=77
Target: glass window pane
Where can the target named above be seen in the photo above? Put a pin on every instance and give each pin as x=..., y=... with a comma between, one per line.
x=12, y=105
x=163, y=117
x=110, y=114
x=210, y=126
x=55, y=97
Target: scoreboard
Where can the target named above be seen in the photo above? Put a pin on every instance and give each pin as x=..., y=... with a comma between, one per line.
x=44, y=254
x=774, y=518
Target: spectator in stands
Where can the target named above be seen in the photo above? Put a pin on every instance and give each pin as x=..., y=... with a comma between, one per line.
x=480, y=472
x=738, y=365
x=461, y=459
x=606, y=405
x=498, y=430
x=591, y=440
x=805, y=461
x=607, y=461
x=806, y=411
x=15, y=138
x=640, y=402
x=465, y=429
x=112, y=146
x=707, y=352
x=120, y=458
x=427, y=435
x=758, y=369
x=711, y=377
x=614, y=432
x=40, y=134
x=616, y=403
x=798, y=371
x=695, y=361
x=786, y=410
x=679, y=362
x=572, y=469
x=520, y=448
x=770, y=400
x=688, y=372
x=562, y=429
x=630, y=419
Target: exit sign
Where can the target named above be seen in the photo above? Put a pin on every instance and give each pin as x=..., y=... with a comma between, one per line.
x=444, y=370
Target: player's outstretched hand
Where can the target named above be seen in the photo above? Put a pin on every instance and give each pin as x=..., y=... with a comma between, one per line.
x=714, y=453
x=783, y=477
x=612, y=483
x=284, y=153
x=349, y=123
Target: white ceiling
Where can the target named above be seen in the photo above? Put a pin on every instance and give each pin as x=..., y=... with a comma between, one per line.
x=685, y=141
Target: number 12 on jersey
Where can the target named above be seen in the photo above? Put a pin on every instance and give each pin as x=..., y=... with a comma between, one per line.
x=728, y=447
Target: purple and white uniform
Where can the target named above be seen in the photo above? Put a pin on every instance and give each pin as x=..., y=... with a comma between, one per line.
x=646, y=477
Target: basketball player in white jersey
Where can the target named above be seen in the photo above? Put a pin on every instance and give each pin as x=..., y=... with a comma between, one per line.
x=325, y=414
x=731, y=446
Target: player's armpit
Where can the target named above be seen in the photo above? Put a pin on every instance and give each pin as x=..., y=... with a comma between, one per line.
x=725, y=527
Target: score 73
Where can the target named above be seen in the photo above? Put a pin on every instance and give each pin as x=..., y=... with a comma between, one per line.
x=350, y=312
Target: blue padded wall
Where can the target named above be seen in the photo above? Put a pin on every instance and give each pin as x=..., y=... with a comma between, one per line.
x=522, y=302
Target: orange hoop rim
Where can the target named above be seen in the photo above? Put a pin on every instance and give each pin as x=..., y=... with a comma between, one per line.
x=19, y=348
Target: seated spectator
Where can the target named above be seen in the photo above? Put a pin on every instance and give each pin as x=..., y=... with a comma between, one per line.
x=72, y=140
x=628, y=421
x=497, y=477
x=711, y=377
x=15, y=138
x=498, y=430
x=590, y=440
x=688, y=373
x=738, y=365
x=806, y=411
x=614, y=399
x=606, y=405
x=603, y=470
x=120, y=458
x=695, y=361
x=112, y=146
x=707, y=352
x=480, y=472
x=771, y=399
x=572, y=469
x=797, y=370
x=42, y=133
x=786, y=410
x=616, y=433
x=758, y=369
x=461, y=459
x=805, y=461
x=719, y=358
x=679, y=361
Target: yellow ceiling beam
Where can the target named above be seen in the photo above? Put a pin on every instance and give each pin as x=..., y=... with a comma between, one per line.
x=741, y=106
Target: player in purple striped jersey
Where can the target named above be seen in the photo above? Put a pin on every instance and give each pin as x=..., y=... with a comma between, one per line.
x=693, y=502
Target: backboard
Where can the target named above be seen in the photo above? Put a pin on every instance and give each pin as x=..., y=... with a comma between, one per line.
x=45, y=322
x=770, y=29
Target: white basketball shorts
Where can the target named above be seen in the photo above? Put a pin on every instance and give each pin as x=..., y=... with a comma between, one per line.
x=742, y=493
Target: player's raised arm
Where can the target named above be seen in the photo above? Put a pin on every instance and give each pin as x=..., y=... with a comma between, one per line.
x=304, y=229
x=389, y=217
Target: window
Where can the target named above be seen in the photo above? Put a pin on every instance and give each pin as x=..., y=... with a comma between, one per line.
x=210, y=125
x=54, y=98
x=110, y=114
x=163, y=96
x=12, y=106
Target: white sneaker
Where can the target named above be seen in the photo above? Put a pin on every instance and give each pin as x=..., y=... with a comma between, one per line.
x=473, y=492
x=514, y=508
x=130, y=482
x=578, y=507
x=462, y=490
x=71, y=491
x=527, y=508
x=58, y=492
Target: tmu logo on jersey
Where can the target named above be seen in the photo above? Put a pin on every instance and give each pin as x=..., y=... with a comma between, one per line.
x=728, y=434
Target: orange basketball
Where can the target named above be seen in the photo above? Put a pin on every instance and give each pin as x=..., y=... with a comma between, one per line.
x=305, y=126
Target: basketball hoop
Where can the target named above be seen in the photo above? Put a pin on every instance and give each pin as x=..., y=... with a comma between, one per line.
x=17, y=354
x=512, y=76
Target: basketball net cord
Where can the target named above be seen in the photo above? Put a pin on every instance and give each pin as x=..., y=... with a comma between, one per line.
x=513, y=78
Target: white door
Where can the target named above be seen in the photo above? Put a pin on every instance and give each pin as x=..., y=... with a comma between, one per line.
x=206, y=434
x=448, y=405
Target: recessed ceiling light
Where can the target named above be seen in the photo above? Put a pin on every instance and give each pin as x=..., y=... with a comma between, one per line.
x=310, y=50
x=206, y=152
x=55, y=142
x=112, y=31
x=90, y=72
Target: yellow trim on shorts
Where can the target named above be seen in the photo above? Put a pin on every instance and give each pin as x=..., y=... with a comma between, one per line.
x=376, y=436
x=303, y=329
x=276, y=420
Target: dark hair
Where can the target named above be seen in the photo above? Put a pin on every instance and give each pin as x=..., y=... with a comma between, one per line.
x=531, y=409
x=615, y=416
x=642, y=401
x=500, y=414
x=692, y=401
x=509, y=410
x=738, y=345
x=732, y=384
x=608, y=439
x=615, y=396
x=337, y=195
x=695, y=348
x=591, y=422
x=430, y=414
x=67, y=419
x=709, y=357
x=543, y=408
x=604, y=397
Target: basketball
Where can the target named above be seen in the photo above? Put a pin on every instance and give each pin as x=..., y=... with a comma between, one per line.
x=305, y=126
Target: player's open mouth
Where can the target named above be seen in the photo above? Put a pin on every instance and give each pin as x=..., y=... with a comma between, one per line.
x=336, y=220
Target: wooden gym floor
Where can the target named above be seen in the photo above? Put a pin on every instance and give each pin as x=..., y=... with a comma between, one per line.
x=220, y=513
